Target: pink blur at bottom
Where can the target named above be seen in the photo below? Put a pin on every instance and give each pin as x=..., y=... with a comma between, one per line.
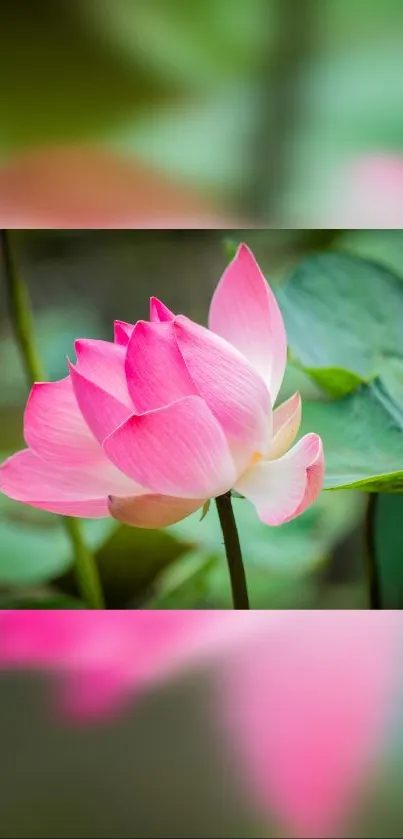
x=303, y=698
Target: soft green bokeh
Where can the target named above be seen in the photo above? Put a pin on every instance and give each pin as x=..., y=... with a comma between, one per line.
x=261, y=103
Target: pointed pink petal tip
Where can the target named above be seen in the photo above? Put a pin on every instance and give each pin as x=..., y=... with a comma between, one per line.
x=245, y=312
x=153, y=347
x=101, y=411
x=286, y=423
x=159, y=312
x=231, y=387
x=122, y=332
x=103, y=363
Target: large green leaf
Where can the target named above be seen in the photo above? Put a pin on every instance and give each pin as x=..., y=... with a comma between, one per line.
x=343, y=320
x=343, y=317
x=363, y=439
x=385, y=246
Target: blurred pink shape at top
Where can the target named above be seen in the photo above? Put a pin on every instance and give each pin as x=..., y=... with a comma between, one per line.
x=303, y=697
x=369, y=193
x=108, y=656
x=89, y=187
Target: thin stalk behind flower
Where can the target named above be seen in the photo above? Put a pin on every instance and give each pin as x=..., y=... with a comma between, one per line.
x=84, y=564
x=372, y=567
x=233, y=552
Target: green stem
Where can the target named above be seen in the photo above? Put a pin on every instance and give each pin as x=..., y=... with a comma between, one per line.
x=233, y=551
x=21, y=313
x=373, y=574
x=84, y=564
x=85, y=568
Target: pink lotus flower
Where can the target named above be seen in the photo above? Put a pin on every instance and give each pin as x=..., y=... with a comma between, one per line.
x=171, y=414
x=302, y=697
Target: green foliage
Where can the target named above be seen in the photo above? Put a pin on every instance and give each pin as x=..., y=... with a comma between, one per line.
x=280, y=562
x=353, y=108
x=40, y=601
x=130, y=560
x=180, y=567
x=343, y=321
x=34, y=547
x=363, y=439
x=203, y=43
x=65, y=81
x=389, y=549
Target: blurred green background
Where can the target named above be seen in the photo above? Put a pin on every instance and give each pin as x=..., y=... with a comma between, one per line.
x=127, y=775
x=79, y=283
x=259, y=107
x=161, y=767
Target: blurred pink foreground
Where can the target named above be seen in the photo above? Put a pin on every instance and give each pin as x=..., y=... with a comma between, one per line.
x=303, y=697
x=366, y=192
x=89, y=187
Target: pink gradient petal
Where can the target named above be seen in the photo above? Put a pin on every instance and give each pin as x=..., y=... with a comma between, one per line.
x=130, y=648
x=315, y=474
x=80, y=491
x=159, y=312
x=282, y=489
x=286, y=423
x=179, y=450
x=94, y=508
x=54, y=427
x=122, y=332
x=87, y=696
x=155, y=370
x=101, y=411
x=245, y=312
x=84, y=186
x=305, y=712
x=365, y=191
x=152, y=511
x=232, y=389
x=104, y=364
x=303, y=697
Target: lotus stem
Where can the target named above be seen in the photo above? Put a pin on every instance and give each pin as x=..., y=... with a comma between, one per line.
x=85, y=567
